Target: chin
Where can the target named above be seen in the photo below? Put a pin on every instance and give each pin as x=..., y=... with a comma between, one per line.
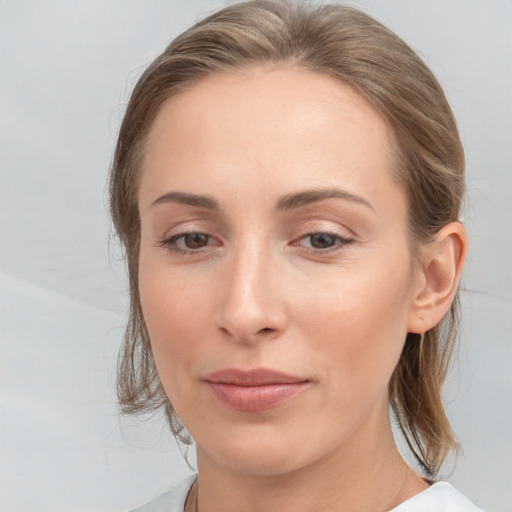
x=258, y=450
x=258, y=461
x=249, y=450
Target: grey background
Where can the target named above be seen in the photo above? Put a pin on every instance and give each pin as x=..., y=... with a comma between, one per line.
x=66, y=70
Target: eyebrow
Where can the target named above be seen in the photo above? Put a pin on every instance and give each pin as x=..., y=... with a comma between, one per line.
x=189, y=199
x=287, y=202
x=291, y=201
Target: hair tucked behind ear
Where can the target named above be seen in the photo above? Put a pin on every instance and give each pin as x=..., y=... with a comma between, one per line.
x=352, y=46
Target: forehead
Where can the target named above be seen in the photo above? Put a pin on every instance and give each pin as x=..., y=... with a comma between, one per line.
x=276, y=94
x=284, y=124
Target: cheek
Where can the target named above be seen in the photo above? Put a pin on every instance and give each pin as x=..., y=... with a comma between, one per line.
x=176, y=319
x=359, y=324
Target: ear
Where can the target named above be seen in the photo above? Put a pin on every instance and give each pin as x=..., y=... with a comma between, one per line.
x=439, y=272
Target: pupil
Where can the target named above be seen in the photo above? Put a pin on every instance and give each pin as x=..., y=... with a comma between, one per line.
x=196, y=240
x=322, y=241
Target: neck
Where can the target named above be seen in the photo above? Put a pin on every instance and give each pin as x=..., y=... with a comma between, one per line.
x=366, y=474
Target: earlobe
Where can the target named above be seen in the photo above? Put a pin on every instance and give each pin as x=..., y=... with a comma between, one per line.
x=442, y=264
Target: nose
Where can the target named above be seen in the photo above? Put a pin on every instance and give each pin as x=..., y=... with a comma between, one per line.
x=252, y=306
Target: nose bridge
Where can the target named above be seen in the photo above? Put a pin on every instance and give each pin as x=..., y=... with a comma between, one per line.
x=251, y=305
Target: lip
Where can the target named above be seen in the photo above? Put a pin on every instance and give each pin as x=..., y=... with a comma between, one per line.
x=254, y=390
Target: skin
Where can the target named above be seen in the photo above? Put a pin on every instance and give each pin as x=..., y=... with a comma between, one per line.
x=257, y=290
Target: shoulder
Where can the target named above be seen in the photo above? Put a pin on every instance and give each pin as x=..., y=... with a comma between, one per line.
x=439, y=497
x=170, y=501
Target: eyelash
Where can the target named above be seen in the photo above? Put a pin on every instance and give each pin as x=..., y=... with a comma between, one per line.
x=170, y=243
x=339, y=243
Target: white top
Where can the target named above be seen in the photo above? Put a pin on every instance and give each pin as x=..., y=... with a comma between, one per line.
x=439, y=497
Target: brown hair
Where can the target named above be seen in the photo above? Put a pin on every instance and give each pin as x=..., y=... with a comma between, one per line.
x=350, y=45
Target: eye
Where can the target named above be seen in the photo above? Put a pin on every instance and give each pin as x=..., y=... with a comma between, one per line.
x=188, y=242
x=323, y=241
x=193, y=240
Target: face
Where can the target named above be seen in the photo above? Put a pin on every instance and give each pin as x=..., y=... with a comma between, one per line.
x=275, y=273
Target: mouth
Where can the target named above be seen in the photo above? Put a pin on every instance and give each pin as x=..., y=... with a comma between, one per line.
x=254, y=390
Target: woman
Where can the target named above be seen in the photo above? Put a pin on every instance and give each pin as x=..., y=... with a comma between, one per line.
x=287, y=184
